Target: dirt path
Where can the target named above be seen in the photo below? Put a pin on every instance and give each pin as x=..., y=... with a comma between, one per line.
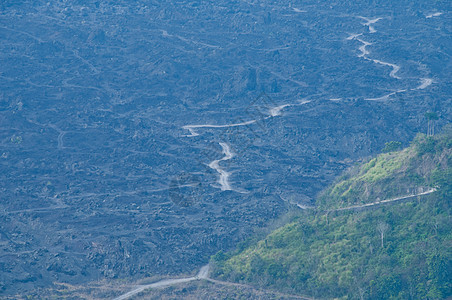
x=203, y=274
x=432, y=190
x=384, y=201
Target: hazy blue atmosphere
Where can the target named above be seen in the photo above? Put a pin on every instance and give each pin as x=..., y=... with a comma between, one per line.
x=140, y=138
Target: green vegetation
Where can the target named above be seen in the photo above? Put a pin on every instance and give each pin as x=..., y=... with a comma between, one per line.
x=391, y=146
x=397, y=251
x=391, y=174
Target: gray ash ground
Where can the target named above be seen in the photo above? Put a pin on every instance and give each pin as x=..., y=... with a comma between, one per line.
x=98, y=178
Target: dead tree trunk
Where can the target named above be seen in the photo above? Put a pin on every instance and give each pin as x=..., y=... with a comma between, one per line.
x=382, y=227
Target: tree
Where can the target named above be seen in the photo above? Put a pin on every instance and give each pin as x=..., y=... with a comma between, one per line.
x=431, y=117
x=382, y=227
x=392, y=146
x=362, y=293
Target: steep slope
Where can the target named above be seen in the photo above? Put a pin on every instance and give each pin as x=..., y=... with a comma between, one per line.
x=399, y=249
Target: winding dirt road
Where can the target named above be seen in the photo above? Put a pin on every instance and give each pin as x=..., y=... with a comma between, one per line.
x=385, y=201
x=203, y=274
x=224, y=176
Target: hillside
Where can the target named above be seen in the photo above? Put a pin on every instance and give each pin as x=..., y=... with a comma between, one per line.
x=395, y=250
x=139, y=138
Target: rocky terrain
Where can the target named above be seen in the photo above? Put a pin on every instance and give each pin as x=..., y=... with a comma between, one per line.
x=102, y=179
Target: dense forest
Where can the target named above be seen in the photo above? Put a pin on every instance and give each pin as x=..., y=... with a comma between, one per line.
x=397, y=249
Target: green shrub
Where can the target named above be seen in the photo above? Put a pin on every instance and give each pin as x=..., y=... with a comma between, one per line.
x=392, y=146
